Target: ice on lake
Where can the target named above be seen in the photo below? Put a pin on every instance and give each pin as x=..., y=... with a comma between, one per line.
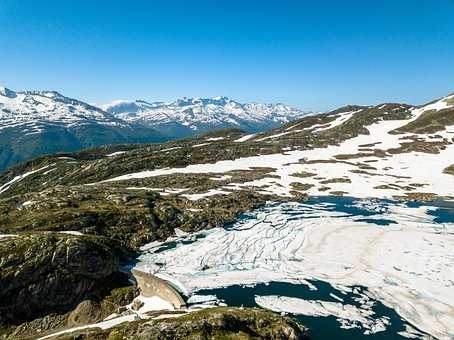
x=401, y=253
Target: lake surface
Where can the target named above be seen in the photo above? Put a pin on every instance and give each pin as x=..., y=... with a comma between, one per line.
x=346, y=268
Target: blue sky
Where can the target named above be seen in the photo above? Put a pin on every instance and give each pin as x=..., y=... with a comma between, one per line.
x=311, y=54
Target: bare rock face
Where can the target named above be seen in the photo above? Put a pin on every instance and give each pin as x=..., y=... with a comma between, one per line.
x=86, y=312
x=137, y=304
x=49, y=273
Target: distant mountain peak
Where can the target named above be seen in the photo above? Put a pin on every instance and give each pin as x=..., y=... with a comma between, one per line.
x=6, y=92
x=189, y=115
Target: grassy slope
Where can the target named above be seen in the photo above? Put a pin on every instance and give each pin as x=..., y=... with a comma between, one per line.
x=429, y=122
x=216, y=323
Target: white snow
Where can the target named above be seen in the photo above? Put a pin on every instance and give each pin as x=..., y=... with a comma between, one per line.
x=170, y=149
x=202, y=298
x=198, y=113
x=71, y=232
x=7, y=235
x=28, y=203
x=103, y=325
x=244, y=138
x=199, y=145
x=34, y=110
x=341, y=118
x=116, y=154
x=150, y=304
x=143, y=188
x=153, y=303
x=275, y=136
x=221, y=178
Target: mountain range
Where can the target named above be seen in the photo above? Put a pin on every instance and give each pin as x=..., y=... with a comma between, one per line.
x=187, y=116
x=34, y=123
x=68, y=221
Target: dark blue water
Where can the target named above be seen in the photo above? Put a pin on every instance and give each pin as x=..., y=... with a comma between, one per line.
x=321, y=328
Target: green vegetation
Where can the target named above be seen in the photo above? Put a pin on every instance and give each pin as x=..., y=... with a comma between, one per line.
x=15, y=146
x=303, y=174
x=450, y=101
x=338, y=193
x=449, y=170
x=216, y=323
x=418, y=196
x=301, y=186
x=429, y=122
x=132, y=217
x=336, y=180
x=47, y=273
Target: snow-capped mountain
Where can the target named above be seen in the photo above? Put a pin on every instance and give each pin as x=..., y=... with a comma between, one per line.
x=34, y=123
x=189, y=116
x=33, y=108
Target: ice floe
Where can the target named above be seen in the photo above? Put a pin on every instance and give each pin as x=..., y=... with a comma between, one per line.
x=349, y=316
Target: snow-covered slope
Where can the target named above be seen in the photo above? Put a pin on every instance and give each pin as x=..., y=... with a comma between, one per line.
x=188, y=116
x=34, y=123
x=36, y=108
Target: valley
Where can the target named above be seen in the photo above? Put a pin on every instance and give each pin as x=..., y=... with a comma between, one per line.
x=357, y=200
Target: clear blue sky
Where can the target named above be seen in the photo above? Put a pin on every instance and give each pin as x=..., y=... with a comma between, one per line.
x=313, y=54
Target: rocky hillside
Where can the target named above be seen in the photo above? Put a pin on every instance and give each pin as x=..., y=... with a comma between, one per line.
x=385, y=149
x=189, y=116
x=34, y=123
x=217, y=323
x=75, y=217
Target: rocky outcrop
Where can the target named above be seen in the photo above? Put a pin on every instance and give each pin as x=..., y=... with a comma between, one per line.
x=91, y=310
x=215, y=323
x=49, y=273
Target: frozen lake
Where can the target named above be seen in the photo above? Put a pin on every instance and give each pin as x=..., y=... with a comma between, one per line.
x=345, y=267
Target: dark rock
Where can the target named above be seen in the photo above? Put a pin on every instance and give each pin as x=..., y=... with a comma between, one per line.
x=49, y=273
x=137, y=304
x=86, y=312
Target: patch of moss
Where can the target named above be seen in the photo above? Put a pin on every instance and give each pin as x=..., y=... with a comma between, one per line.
x=336, y=180
x=47, y=273
x=429, y=122
x=212, y=323
x=449, y=170
x=303, y=174
x=338, y=193
x=301, y=186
